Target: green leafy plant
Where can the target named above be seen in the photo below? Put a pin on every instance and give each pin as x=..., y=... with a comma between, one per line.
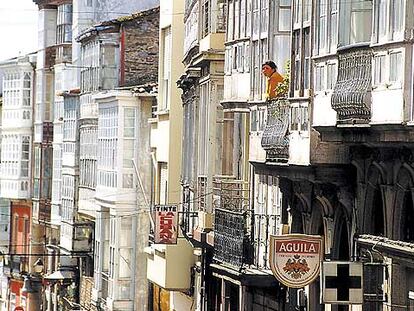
x=282, y=89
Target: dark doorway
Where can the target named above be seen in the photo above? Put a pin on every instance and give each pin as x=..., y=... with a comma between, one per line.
x=377, y=215
x=407, y=218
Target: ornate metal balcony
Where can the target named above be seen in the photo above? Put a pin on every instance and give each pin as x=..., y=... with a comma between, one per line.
x=230, y=194
x=232, y=244
x=351, y=97
x=275, y=139
x=241, y=239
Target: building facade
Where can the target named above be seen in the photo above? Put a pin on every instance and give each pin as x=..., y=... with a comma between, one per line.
x=327, y=157
x=55, y=153
x=17, y=137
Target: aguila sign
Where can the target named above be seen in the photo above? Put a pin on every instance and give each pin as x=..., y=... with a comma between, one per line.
x=295, y=259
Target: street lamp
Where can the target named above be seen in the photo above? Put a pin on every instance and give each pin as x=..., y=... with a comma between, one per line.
x=38, y=266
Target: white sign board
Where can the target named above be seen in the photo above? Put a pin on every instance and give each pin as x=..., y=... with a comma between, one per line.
x=342, y=282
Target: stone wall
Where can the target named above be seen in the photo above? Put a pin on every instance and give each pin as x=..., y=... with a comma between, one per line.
x=141, y=48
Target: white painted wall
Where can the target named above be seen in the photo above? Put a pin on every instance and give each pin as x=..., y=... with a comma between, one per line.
x=323, y=114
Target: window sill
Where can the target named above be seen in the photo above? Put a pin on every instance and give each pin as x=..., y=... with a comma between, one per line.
x=323, y=93
x=325, y=56
x=152, y=120
x=236, y=41
x=388, y=42
x=386, y=87
x=162, y=112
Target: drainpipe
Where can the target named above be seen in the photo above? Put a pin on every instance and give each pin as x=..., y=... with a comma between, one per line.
x=122, y=56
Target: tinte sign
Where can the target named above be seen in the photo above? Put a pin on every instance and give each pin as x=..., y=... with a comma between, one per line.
x=166, y=219
x=295, y=259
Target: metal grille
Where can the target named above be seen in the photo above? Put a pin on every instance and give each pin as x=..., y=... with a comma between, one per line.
x=230, y=240
x=230, y=194
x=275, y=139
x=351, y=95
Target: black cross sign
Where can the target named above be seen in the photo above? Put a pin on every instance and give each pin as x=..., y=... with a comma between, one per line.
x=343, y=282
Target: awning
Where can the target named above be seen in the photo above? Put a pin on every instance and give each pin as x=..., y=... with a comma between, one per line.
x=60, y=275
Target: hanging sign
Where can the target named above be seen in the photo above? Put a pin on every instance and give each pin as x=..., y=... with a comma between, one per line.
x=295, y=259
x=166, y=224
x=342, y=282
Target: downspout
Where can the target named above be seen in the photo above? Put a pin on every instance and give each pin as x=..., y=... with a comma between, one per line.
x=122, y=57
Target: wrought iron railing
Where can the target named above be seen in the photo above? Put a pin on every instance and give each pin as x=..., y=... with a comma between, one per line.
x=351, y=97
x=231, y=240
x=241, y=239
x=230, y=194
x=263, y=226
x=188, y=216
x=275, y=139
x=232, y=243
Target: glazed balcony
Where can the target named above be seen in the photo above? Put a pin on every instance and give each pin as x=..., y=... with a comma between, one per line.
x=41, y=211
x=169, y=266
x=15, y=265
x=275, y=139
x=371, y=101
x=77, y=237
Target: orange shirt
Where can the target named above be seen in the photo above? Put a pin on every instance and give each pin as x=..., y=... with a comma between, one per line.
x=271, y=85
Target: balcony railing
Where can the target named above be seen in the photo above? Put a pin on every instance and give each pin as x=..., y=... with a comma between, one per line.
x=242, y=238
x=231, y=240
x=275, y=139
x=230, y=194
x=232, y=244
x=263, y=226
x=188, y=216
x=351, y=97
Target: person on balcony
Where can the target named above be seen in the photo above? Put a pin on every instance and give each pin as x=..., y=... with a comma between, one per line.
x=269, y=70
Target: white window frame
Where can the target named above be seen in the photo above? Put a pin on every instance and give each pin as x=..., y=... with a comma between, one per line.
x=166, y=41
x=390, y=32
x=387, y=83
x=320, y=78
x=299, y=115
x=330, y=84
x=398, y=83
x=379, y=71
x=128, y=173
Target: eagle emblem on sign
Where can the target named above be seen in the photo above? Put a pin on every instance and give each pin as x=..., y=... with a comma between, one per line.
x=295, y=259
